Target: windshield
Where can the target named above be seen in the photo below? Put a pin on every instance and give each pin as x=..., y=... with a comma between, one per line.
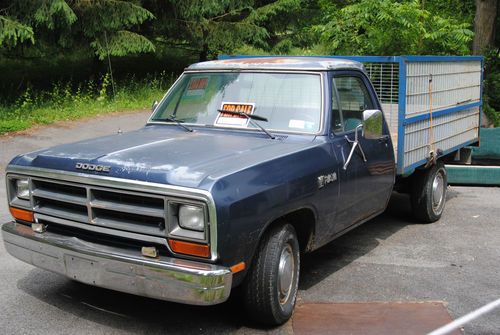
x=289, y=101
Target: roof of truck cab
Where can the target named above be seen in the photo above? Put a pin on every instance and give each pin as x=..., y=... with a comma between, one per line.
x=278, y=63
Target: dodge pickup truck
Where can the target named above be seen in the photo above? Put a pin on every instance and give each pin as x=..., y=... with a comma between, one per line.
x=245, y=164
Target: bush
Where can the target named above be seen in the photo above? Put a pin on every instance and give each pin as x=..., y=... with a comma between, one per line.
x=68, y=100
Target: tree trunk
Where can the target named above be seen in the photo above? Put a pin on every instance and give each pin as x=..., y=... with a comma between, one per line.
x=203, y=55
x=484, y=25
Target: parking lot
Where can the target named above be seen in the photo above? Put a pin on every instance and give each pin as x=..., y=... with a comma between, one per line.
x=390, y=258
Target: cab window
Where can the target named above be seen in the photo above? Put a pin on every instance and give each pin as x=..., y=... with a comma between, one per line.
x=354, y=99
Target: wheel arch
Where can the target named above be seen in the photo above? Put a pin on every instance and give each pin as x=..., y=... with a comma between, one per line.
x=303, y=221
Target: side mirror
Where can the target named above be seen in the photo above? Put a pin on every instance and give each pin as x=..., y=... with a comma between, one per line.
x=372, y=124
x=155, y=104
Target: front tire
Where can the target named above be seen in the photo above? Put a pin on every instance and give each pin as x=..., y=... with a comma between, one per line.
x=428, y=194
x=270, y=288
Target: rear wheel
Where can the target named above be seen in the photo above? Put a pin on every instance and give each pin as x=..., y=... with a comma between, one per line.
x=270, y=288
x=428, y=194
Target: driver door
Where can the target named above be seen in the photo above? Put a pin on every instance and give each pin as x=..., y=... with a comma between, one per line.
x=365, y=186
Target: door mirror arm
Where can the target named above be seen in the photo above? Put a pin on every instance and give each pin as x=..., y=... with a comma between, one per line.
x=355, y=144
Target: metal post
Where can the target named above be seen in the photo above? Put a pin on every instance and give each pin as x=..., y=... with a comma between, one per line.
x=458, y=323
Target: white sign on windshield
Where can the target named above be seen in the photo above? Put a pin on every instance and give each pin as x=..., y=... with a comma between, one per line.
x=234, y=120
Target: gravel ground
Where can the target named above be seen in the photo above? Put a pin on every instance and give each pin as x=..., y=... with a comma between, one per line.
x=390, y=258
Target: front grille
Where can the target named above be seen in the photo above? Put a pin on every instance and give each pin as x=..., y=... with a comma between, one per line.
x=135, y=212
x=104, y=239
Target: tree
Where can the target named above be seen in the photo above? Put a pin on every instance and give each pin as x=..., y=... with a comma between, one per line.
x=390, y=27
x=484, y=25
x=13, y=32
x=103, y=26
x=213, y=27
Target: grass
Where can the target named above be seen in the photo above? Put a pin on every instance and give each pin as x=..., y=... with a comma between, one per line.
x=70, y=101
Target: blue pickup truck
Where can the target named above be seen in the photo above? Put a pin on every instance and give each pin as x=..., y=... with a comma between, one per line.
x=245, y=164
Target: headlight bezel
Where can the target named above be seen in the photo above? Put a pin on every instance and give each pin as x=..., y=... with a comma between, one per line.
x=176, y=231
x=12, y=192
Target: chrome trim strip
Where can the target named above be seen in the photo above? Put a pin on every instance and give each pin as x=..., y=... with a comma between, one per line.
x=39, y=193
x=103, y=230
x=131, y=185
x=322, y=108
x=132, y=209
x=120, y=269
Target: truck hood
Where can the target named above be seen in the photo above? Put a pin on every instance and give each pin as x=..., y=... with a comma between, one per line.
x=168, y=154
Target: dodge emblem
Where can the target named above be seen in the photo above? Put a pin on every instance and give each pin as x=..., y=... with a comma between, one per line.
x=92, y=167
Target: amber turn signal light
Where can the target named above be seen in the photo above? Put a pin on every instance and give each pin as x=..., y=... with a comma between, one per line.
x=237, y=267
x=188, y=248
x=21, y=214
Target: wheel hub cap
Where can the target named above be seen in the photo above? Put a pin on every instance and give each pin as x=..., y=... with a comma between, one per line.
x=286, y=272
x=437, y=190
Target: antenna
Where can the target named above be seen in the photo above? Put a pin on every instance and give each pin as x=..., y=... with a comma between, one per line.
x=109, y=64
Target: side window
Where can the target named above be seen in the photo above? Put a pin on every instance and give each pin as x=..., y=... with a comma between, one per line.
x=354, y=99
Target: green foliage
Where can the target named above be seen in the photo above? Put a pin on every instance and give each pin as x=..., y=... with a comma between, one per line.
x=492, y=114
x=121, y=43
x=272, y=12
x=390, y=27
x=39, y=34
x=51, y=10
x=13, y=32
x=68, y=101
x=76, y=25
x=287, y=24
x=107, y=23
x=491, y=90
x=214, y=26
x=112, y=15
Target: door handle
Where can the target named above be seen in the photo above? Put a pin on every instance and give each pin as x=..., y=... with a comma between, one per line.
x=384, y=139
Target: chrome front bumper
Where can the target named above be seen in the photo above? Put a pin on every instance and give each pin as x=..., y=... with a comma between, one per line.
x=114, y=268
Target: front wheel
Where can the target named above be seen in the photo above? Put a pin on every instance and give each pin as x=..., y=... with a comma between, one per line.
x=428, y=194
x=270, y=288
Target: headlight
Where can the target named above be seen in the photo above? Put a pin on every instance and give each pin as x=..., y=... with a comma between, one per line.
x=191, y=217
x=23, y=189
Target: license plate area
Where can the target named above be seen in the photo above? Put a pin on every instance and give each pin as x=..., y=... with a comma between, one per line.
x=82, y=269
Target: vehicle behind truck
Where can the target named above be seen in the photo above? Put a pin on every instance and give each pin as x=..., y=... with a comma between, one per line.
x=245, y=164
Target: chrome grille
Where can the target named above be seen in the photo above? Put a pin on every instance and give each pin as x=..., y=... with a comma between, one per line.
x=110, y=208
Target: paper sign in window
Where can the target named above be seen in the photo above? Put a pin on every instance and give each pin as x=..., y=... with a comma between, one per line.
x=234, y=120
x=197, y=86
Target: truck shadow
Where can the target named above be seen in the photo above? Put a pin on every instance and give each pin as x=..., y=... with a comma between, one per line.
x=127, y=312
x=334, y=256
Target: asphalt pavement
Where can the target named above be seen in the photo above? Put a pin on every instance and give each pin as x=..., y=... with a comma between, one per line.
x=390, y=258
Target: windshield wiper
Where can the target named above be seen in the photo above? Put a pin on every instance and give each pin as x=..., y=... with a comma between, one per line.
x=251, y=118
x=177, y=122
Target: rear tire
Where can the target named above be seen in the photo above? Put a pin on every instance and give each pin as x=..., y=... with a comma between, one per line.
x=270, y=287
x=428, y=193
